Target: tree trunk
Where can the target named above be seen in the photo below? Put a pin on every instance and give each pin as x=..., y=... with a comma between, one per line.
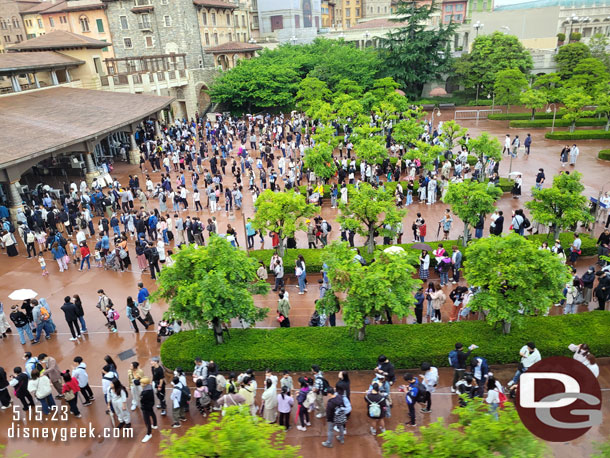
x=281, y=249
x=533, y=114
x=573, y=126
x=217, y=326
x=556, y=231
x=370, y=242
x=361, y=332
x=607, y=124
x=465, y=239
x=505, y=327
x=507, y=108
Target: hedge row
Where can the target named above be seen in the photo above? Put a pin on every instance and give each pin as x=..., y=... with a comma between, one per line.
x=559, y=122
x=407, y=346
x=578, y=135
x=523, y=116
x=314, y=256
x=604, y=154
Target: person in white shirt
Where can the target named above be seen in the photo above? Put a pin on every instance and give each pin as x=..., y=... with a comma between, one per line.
x=507, y=143
x=592, y=365
x=429, y=379
x=574, y=152
x=529, y=356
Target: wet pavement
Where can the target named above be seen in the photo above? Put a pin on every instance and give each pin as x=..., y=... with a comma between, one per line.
x=20, y=272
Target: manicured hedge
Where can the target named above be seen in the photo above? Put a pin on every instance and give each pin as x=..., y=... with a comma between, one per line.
x=559, y=123
x=604, y=154
x=407, y=346
x=314, y=256
x=523, y=116
x=578, y=135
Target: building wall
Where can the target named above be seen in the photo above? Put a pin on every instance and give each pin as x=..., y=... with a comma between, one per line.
x=295, y=15
x=181, y=35
x=376, y=8
x=86, y=73
x=12, y=29
x=218, y=26
x=349, y=12
x=98, y=27
x=34, y=25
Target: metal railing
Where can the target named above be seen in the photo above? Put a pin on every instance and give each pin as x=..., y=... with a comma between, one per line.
x=474, y=114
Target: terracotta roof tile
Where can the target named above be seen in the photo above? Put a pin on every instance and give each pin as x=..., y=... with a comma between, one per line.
x=215, y=4
x=35, y=60
x=58, y=39
x=234, y=46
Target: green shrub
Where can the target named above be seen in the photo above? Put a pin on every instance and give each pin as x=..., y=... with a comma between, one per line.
x=558, y=122
x=604, y=154
x=578, y=135
x=334, y=348
x=524, y=116
x=472, y=160
x=588, y=247
x=480, y=103
x=561, y=37
x=505, y=184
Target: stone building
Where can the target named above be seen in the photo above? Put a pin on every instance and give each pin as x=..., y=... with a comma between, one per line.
x=12, y=29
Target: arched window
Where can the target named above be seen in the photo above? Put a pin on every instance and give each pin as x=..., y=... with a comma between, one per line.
x=84, y=23
x=15, y=22
x=2, y=23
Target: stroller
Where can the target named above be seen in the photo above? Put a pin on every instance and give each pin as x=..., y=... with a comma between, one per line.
x=112, y=262
x=165, y=329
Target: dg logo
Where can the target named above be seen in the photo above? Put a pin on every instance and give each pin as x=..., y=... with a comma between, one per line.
x=559, y=399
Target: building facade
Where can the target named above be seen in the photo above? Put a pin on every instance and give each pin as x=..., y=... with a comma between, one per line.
x=221, y=22
x=294, y=21
x=12, y=29
x=348, y=12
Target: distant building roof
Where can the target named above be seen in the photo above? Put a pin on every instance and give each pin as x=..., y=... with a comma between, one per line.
x=499, y=6
x=26, y=5
x=16, y=61
x=234, y=46
x=66, y=6
x=215, y=4
x=60, y=117
x=381, y=23
x=58, y=39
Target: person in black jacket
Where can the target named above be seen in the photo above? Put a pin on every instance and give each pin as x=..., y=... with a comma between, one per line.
x=498, y=225
x=588, y=279
x=19, y=380
x=334, y=401
x=152, y=255
x=460, y=368
x=71, y=313
x=147, y=403
x=158, y=377
x=20, y=320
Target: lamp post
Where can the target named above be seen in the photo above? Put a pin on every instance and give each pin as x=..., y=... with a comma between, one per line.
x=572, y=19
x=438, y=111
x=548, y=110
x=478, y=25
x=366, y=37
x=492, y=96
x=293, y=40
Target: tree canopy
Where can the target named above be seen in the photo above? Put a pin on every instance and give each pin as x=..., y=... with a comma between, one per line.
x=235, y=434
x=368, y=210
x=211, y=283
x=383, y=286
x=490, y=54
x=508, y=86
x=561, y=205
x=412, y=53
x=513, y=277
x=569, y=56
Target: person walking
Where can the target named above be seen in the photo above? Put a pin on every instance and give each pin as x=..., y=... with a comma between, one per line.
x=158, y=378
x=278, y=270
x=133, y=314
x=301, y=273
x=147, y=403
x=527, y=143
x=507, y=144
x=574, y=152
x=40, y=387
x=117, y=396
x=134, y=376
x=79, y=372
x=41, y=317
x=335, y=415
x=144, y=303
x=376, y=407
x=284, y=405
x=71, y=315
x=70, y=391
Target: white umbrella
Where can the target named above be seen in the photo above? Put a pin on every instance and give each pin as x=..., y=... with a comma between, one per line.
x=394, y=250
x=22, y=294
x=515, y=173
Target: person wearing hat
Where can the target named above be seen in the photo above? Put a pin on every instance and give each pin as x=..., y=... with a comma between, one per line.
x=587, y=281
x=147, y=403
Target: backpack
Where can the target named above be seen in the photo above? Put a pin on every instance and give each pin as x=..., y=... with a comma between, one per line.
x=221, y=381
x=502, y=397
x=135, y=312
x=421, y=393
x=185, y=396
x=115, y=315
x=11, y=227
x=340, y=415
x=453, y=358
x=325, y=386
x=122, y=254
x=526, y=222
x=328, y=227
x=374, y=408
x=44, y=314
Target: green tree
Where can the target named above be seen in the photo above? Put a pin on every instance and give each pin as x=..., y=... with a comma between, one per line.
x=414, y=54
x=598, y=44
x=451, y=132
x=235, y=434
x=319, y=159
x=409, y=129
x=508, y=86
x=485, y=147
x=369, y=147
x=475, y=434
x=588, y=75
x=491, y=54
x=311, y=89
x=603, y=106
x=283, y=213
x=574, y=100
x=549, y=84
x=515, y=278
x=569, y=56
x=213, y=284
x=561, y=205
x=533, y=99
x=348, y=87
x=384, y=286
x=426, y=153
x=471, y=201
x=368, y=210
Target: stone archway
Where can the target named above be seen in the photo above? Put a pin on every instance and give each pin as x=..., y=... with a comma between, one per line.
x=203, y=97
